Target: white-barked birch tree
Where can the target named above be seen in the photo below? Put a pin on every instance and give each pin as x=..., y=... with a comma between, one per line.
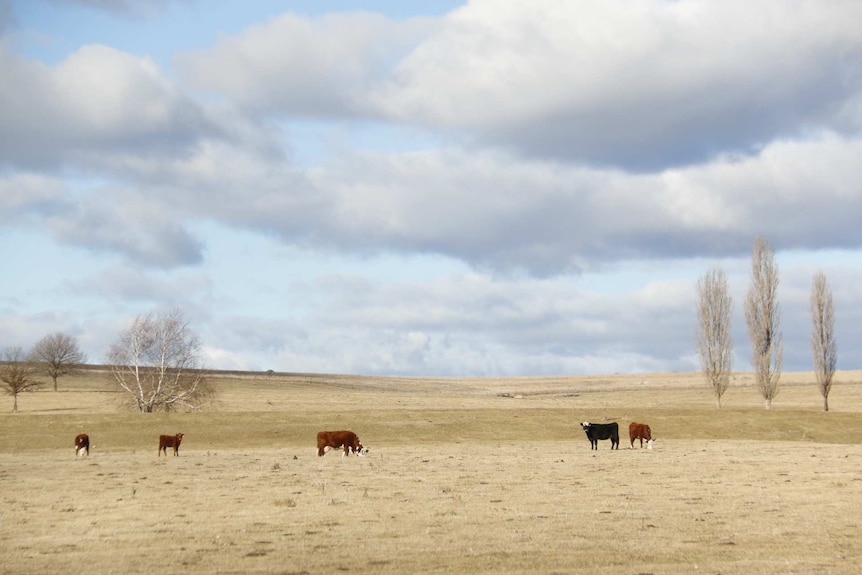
x=157, y=362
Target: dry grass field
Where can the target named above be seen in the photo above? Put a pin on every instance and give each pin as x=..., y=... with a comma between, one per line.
x=464, y=476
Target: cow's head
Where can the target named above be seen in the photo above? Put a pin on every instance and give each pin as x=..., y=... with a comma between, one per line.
x=586, y=425
x=358, y=449
x=649, y=443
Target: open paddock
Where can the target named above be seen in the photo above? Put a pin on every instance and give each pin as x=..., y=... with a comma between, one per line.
x=490, y=476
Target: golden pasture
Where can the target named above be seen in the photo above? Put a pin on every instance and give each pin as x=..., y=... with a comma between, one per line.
x=465, y=475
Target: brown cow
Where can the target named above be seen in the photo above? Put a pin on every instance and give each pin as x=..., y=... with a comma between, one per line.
x=82, y=444
x=640, y=431
x=166, y=441
x=327, y=440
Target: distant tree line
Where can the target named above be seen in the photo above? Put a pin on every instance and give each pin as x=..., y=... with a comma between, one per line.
x=55, y=355
x=156, y=361
x=762, y=316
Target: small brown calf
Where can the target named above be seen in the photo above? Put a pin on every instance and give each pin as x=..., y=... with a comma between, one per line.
x=82, y=444
x=166, y=441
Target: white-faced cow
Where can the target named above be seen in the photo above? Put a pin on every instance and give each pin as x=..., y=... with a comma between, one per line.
x=166, y=441
x=640, y=431
x=82, y=444
x=327, y=440
x=596, y=431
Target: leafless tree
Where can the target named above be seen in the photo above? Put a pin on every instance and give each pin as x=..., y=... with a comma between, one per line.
x=763, y=319
x=714, y=342
x=823, y=344
x=59, y=354
x=157, y=362
x=17, y=373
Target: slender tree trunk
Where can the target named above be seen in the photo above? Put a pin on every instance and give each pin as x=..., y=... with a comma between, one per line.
x=15, y=404
x=825, y=403
x=714, y=343
x=55, y=382
x=763, y=319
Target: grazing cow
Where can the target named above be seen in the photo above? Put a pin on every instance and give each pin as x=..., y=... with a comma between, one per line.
x=327, y=440
x=166, y=441
x=82, y=444
x=640, y=431
x=596, y=431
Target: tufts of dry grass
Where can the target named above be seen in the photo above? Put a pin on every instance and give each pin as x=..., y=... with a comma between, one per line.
x=464, y=475
x=741, y=507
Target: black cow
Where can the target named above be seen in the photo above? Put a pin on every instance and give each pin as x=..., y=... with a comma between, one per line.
x=596, y=431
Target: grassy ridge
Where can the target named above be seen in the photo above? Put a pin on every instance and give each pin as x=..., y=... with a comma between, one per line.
x=256, y=411
x=213, y=431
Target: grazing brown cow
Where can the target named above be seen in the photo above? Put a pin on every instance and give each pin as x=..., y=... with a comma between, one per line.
x=327, y=440
x=640, y=431
x=166, y=441
x=82, y=444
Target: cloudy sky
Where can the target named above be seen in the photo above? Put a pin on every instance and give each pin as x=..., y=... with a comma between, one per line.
x=493, y=187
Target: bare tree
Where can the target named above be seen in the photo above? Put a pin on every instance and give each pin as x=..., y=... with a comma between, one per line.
x=763, y=318
x=823, y=335
x=17, y=373
x=157, y=362
x=714, y=342
x=59, y=354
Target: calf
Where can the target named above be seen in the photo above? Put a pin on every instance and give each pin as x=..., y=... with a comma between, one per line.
x=640, y=431
x=82, y=444
x=166, y=441
x=596, y=431
x=327, y=440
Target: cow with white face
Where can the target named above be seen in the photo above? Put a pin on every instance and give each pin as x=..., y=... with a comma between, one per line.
x=642, y=432
x=346, y=439
x=82, y=444
x=597, y=431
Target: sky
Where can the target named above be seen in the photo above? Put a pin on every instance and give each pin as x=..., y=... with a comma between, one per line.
x=430, y=188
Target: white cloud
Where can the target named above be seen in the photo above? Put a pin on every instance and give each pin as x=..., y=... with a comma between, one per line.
x=97, y=100
x=495, y=210
x=295, y=65
x=644, y=84
x=127, y=225
x=490, y=210
x=26, y=199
